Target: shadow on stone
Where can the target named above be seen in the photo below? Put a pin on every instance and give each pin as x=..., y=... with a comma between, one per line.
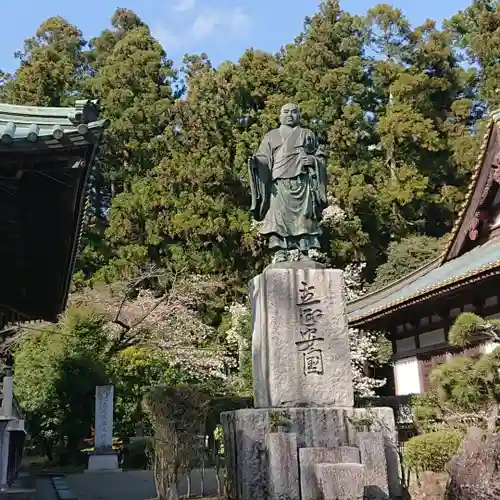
x=375, y=493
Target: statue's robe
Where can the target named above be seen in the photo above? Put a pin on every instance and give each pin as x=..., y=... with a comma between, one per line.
x=288, y=196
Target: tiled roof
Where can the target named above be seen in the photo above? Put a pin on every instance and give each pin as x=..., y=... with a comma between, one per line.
x=35, y=127
x=64, y=134
x=430, y=278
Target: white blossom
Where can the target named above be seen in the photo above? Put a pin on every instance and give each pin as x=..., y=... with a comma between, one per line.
x=235, y=337
x=363, y=347
x=332, y=214
x=353, y=279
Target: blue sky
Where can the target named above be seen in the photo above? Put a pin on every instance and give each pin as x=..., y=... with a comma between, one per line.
x=221, y=28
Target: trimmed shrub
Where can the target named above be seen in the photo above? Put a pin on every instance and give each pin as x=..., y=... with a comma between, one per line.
x=431, y=452
x=137, y=454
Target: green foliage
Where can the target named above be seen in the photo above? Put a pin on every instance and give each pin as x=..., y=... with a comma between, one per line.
x=432, y=451
x=137, y=454
x=57, y=370
x=134, y=371
x=406, y=256
x=427, y=411
x=363, y=421
x=384, y=350
x=51, y=66
x=465, y=391
x=400, y=117
x=279, y=418
x=466, y=325
x=58, y=367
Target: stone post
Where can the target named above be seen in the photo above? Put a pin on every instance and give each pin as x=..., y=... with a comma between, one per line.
x=7, y=394
x=103, y=458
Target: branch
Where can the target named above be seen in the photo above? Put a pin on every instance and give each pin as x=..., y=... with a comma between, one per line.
x=148, y=275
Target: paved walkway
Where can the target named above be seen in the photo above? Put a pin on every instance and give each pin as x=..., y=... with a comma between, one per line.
x=44, y=489
x=130, y=485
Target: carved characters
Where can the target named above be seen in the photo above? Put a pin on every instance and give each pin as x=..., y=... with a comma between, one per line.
x=309, y=343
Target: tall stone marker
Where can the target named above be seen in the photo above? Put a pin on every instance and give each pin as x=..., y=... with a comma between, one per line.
x=104, y=458
x=300, y=345
x=103, y=438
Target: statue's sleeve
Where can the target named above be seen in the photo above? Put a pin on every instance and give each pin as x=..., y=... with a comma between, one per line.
x=321, y=175
x=259, y=166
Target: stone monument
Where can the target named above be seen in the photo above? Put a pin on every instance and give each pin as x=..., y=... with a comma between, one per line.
x=104, y=458
x=304, y=440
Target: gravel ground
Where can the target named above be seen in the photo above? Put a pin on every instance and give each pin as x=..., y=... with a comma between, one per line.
x=129, y=485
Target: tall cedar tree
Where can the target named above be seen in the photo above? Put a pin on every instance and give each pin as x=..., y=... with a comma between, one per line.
x=132, y=76
x=52, y=66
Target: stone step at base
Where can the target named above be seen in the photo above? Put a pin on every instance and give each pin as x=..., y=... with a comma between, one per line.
x=62, y=489
x=341, y=481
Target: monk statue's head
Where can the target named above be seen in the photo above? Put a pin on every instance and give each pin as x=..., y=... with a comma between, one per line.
x=290, y=115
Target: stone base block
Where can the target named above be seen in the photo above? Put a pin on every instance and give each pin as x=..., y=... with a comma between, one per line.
x=310, y=457
x=283, y=466
x=250, y=453
x=341, y=481
x=107, y=462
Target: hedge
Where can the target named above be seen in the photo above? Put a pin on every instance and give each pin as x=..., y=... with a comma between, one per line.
x=432, y=451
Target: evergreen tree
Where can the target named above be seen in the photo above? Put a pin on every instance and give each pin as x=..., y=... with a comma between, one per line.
x=476, y=32
x=52, y=66
x=132, y=76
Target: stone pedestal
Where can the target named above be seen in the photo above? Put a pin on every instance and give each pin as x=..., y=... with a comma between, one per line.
x=321, y=435
x=300, y=344
x=104, y=459
x=103, y=462
x=303, y=441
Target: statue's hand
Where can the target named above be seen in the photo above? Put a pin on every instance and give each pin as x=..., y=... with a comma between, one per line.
x=308, y=161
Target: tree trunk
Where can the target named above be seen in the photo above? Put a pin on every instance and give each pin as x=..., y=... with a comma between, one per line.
x=202, y=477
x=217, y=476
x=188, y=481
x=492, y=418
x=47, y=449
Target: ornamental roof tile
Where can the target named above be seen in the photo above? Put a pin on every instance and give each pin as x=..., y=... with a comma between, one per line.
x=35, y=127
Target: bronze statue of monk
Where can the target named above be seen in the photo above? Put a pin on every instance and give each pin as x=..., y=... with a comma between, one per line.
x=288, y=183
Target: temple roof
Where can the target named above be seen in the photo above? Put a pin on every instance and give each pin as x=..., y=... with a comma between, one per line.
x=46, y=156
x=431, y=278
x=32, y=127
x=464, y=258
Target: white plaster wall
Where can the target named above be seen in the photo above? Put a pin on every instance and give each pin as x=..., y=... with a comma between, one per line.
x=489, y=347
x=407, y=376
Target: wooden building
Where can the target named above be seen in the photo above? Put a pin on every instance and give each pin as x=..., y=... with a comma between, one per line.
x=46, y=156
x=417, y=311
